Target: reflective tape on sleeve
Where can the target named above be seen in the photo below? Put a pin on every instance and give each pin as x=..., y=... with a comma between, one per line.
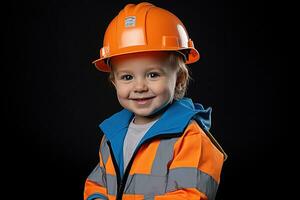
x=98, y=176
x=192, y=178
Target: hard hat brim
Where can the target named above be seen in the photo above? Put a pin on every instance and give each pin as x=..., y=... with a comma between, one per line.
x=192, y=57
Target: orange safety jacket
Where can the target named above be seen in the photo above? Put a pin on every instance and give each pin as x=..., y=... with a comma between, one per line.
x=177, y=159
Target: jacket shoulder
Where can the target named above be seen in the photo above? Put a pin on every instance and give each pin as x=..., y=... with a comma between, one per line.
x=194, y=128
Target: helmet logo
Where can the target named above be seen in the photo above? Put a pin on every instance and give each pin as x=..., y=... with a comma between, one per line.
x=130, y=21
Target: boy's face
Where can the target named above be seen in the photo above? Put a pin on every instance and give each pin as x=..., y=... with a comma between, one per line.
x=144, y=82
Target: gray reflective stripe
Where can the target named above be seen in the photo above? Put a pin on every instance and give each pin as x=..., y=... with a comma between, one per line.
x=139, y=184
x=151, y=185
x=145, y=184
x=149, y=197
x=192, y=178
x=104, y=150
x=111, y=184
x=98, y=176
x=163, y=155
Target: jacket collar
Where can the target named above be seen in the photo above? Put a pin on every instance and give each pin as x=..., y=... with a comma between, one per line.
x=173, y=120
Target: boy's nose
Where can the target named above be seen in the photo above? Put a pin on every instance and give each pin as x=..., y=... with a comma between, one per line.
x=140, y=86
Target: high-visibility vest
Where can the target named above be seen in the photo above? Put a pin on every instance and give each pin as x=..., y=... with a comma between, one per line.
x=170, y=165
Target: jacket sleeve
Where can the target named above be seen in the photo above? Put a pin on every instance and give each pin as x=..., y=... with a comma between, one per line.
x=95, y=185
x=194, y=172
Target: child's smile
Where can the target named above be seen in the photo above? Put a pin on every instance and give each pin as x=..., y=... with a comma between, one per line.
x=143, y=100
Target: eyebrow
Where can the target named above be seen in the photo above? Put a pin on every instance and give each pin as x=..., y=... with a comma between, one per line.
x=156, y=67
x=152, y=67
x=122, y=72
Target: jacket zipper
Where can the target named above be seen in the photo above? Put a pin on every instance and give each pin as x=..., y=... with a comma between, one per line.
x=117, y=170
x=121, y=182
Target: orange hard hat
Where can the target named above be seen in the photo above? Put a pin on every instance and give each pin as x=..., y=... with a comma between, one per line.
x=145, y=27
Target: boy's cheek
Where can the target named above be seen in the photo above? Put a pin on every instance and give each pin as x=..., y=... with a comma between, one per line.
x=163, y=86
x=122, y=93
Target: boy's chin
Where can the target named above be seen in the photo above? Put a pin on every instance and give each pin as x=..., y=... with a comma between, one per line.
x=153, y=113
x=144, y=115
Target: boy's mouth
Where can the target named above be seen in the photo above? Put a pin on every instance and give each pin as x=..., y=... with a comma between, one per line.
x=143, y=100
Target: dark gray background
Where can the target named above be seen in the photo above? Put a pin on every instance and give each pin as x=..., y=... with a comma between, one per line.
x=54, y=98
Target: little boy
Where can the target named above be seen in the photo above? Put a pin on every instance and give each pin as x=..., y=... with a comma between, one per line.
x=158, y=146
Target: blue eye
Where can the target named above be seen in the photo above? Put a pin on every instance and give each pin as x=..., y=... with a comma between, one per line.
x=153, y=75
x=126, y=77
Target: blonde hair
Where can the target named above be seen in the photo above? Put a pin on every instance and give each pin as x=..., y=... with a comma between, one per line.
x=176, y=60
